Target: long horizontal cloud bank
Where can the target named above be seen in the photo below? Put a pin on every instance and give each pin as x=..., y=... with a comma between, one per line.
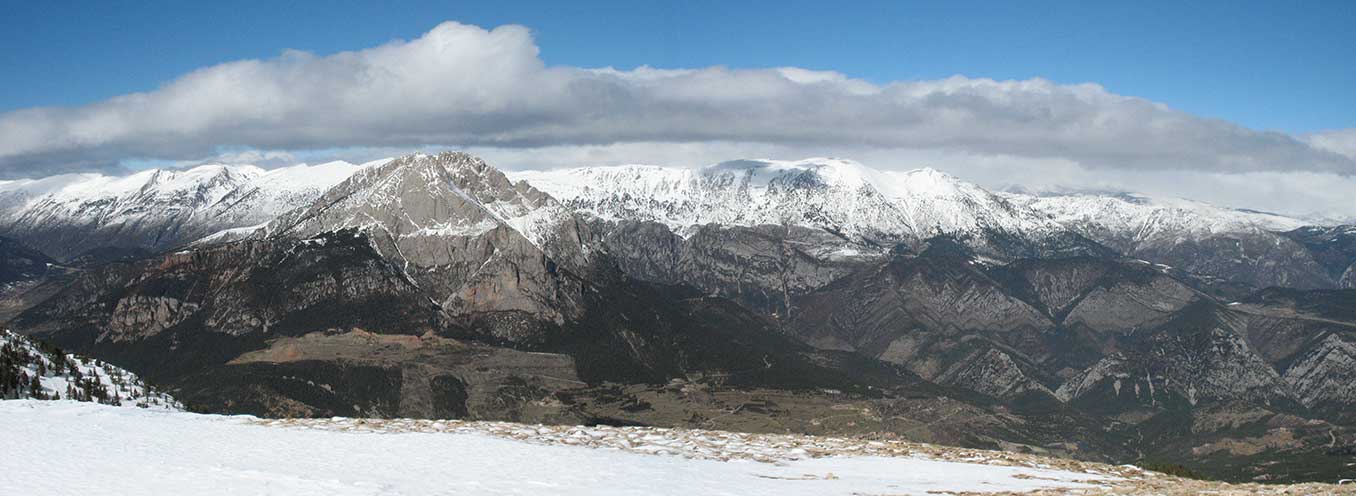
x=461, y=85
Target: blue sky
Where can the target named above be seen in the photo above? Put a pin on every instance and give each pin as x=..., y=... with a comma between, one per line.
x=1288, y=66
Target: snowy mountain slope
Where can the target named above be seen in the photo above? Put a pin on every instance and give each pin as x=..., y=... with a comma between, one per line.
x=178, y=453
x=28, y=370
x=279, y=190
x=1238, y=246
x=856, y=200
x=156, y=208
x=1133, y=220
x=875, y=209
x=837, y=195
x=828, y=194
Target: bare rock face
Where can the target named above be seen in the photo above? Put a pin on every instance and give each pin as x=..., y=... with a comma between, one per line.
x=481, y=245
x=939, y=314
x=763, y=267
x=252, y=288
x=287, y=327
x=1203, y=353
x=993, y=373
x=1325, y=373
x=142, y=316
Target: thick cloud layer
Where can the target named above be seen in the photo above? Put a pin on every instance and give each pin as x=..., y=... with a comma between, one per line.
x=1342, y=141
x=464, y=86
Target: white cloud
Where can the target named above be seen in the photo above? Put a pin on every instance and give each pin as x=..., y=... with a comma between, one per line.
x=464, y=86
x=1341, y=141
x=262, y=158
x=1318, y=196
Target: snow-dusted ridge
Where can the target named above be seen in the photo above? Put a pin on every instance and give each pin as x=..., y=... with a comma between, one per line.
x=872, y=205
x=866, y=206
x=838, y=195
x=1145, y=216
x=157, y=207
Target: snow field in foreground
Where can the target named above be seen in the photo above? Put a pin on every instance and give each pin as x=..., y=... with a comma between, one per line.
x=64, y=447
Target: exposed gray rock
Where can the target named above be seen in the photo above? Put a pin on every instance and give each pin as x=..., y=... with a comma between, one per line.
x=1325, y=373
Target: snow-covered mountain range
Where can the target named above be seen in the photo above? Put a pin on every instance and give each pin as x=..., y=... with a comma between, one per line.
x=868, y=210
x=868, y=204
x=158, y=208
x=873, y=210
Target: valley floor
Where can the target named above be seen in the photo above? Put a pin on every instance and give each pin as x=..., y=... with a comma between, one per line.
x=64, y=447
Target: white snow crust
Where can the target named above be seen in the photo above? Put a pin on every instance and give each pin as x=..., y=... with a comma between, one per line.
x=63, y=447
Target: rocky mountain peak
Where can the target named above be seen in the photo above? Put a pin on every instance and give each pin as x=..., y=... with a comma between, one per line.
x=477, y=241
x=449, y=194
